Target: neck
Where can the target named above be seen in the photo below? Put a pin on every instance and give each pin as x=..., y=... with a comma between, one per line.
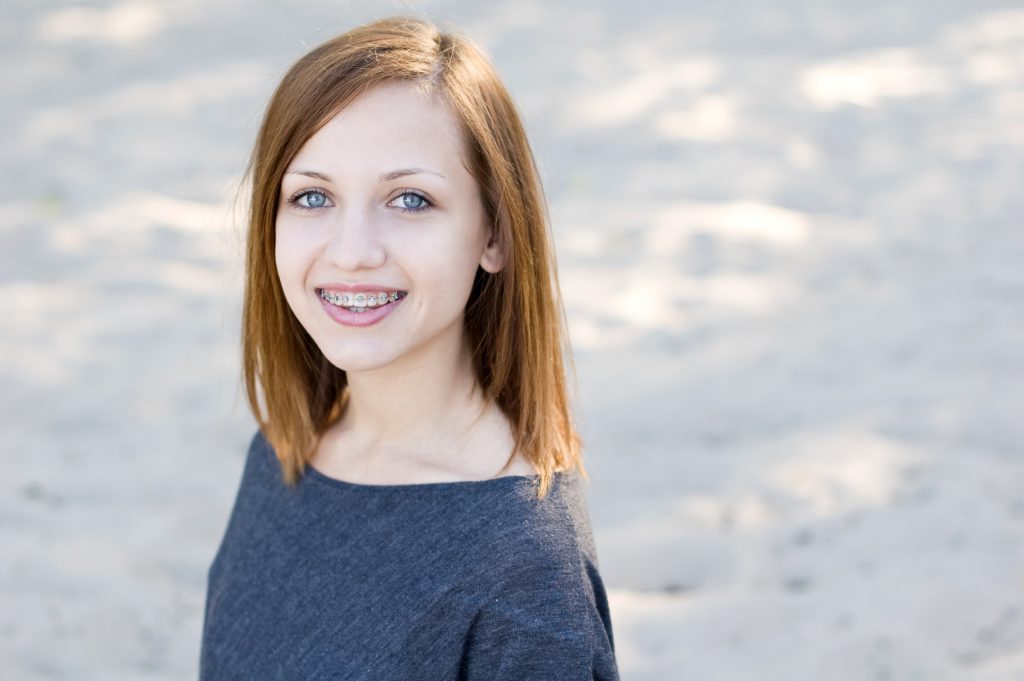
x=418, y=404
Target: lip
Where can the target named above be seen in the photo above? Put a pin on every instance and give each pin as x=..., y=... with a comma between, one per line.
x=368, y=318
x=357, y=288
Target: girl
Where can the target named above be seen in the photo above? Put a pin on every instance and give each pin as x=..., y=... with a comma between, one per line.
x=412, y=504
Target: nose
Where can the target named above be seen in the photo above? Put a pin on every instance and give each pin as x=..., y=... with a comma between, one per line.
x=354, y=241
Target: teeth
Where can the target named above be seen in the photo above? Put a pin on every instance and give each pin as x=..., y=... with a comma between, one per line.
x=360, y=302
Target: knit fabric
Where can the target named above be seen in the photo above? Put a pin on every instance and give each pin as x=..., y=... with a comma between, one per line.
x=472, y=580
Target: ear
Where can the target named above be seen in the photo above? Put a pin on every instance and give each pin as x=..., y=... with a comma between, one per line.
x=493, y=257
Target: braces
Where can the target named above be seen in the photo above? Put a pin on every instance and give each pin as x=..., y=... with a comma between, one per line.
x=361, y=300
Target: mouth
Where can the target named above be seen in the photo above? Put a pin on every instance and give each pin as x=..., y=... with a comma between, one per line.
x=361, y=302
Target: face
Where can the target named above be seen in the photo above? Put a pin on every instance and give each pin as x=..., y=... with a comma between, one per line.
x=380, y=200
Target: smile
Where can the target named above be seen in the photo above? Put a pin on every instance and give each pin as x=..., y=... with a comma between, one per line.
x=361, y=302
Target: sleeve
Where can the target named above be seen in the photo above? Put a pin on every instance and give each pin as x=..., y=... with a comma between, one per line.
x=540, y=624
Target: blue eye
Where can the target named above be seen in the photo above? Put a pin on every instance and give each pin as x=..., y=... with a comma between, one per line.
x=314, y=198
x=411, y=202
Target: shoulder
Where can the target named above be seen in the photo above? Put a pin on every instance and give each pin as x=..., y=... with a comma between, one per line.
x=543, y=619
x=259, y=450
x=519, y=545
x=549, y=569
x=261, y=469
x=550, y=531
x=261, y=457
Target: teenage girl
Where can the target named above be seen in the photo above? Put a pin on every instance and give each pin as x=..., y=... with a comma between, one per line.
x=412, y=505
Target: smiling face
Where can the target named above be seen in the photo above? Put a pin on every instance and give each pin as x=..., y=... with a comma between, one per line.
x=381, y=198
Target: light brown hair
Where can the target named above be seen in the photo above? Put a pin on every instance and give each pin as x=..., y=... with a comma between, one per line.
x=514, y=319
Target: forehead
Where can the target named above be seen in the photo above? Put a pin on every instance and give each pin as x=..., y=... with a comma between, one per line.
x=394, y=123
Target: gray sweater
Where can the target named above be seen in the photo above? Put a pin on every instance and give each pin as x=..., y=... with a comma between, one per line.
x=459, y=581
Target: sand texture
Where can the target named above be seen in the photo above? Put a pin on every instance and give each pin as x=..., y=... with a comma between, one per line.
x=791, y=242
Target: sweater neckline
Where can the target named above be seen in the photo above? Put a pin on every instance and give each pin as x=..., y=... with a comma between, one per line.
x=453, y=485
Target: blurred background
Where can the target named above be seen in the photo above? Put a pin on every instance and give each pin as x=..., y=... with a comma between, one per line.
x=791, y=243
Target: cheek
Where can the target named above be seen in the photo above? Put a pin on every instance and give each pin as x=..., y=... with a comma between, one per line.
x=451, y=269
x=290, y=257
x=283, y=258
x=290, y=249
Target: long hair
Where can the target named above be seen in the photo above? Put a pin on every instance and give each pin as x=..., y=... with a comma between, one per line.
x=514, y=319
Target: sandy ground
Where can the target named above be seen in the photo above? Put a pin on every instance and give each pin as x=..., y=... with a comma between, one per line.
x=791, y=244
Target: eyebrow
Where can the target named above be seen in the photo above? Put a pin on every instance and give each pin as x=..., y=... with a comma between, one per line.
x=310, y=173
x=386, y=177
x=402, y=172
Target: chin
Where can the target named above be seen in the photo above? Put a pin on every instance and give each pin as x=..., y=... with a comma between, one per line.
x=368, y=360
